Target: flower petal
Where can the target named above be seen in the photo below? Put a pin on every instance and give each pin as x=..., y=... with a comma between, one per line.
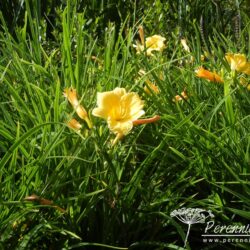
x=120, y=127
x=107, y=101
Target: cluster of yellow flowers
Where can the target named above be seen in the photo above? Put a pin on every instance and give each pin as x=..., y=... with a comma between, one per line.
x=120, y=109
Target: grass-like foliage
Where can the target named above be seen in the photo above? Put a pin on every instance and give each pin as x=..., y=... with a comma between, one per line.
x=66, y=188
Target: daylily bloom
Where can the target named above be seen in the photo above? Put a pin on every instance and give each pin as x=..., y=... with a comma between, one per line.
x=71, y=95
x=238, y=62
x=208, y=75
x=153, y=43
x=74, y=124
x=181, y=97
x=119, y=109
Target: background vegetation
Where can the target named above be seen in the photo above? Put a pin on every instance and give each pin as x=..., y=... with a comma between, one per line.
x=120, y=197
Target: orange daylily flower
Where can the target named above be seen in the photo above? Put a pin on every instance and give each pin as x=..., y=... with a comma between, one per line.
x=208, y=75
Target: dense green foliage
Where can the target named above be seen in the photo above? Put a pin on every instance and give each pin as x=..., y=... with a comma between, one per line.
x=120, y=197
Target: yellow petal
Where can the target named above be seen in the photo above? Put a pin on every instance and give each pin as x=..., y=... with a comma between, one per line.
x=106, y=102
x=119, y=108
x=236, y=61
x=133, y=104
x=246, y=69
x=155, y=42
x=120, y=127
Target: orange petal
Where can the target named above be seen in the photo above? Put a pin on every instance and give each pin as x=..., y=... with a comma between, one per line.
x=208, y=75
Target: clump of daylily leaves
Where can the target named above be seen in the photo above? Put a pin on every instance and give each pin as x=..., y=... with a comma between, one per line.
x=120, y=109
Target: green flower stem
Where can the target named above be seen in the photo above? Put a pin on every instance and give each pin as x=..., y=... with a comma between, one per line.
x=89, y=123
x=228, y=99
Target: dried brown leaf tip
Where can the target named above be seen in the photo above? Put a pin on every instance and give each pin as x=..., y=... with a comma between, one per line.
x=42, y=201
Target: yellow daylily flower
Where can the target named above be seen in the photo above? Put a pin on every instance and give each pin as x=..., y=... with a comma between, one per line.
x=208, y=75
x=153, y=43
x=71, y=95
x=120, y=109
x=238, y=62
